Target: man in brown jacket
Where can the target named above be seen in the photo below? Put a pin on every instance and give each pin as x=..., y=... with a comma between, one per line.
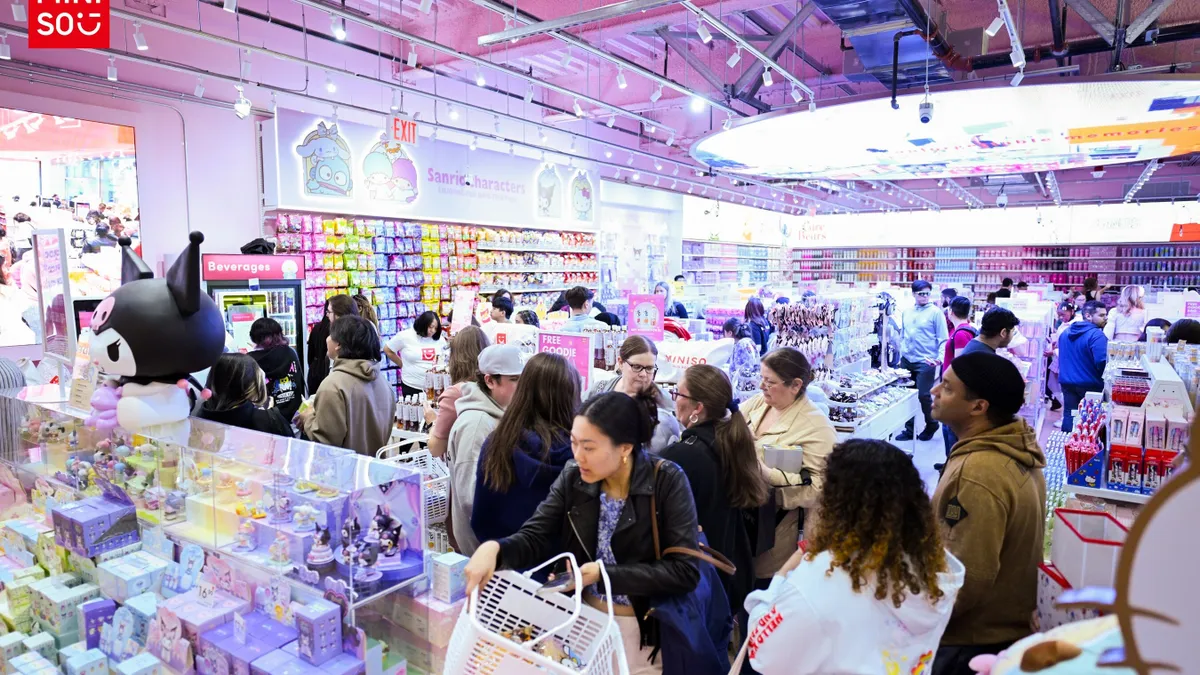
x=991, y=504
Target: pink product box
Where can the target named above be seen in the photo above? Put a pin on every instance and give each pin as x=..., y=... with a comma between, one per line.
x=220, y=652
x=341, y=663
x=131, y=575
x=419, y=653
x=198, y=619
x=427, y=617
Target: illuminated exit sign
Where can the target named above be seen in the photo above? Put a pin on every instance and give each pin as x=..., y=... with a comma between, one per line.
x=404, y=130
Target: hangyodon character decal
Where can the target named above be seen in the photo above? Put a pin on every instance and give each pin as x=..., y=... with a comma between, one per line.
x=581, y=197
x=153, y=333
x=389, y=173
x=326, y=162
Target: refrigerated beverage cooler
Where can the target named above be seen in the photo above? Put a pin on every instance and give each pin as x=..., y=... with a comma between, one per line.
x=250, y=287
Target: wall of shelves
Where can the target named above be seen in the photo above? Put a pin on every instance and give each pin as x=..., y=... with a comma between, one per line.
x=717, y=263
x=1159, y=265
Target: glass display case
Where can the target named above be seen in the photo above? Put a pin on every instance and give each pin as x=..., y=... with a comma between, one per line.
x=269, y=521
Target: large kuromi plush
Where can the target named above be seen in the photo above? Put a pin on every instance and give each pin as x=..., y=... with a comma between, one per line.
x=152, y=334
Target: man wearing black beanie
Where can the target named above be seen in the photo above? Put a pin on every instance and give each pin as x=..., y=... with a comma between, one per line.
x=991, y=504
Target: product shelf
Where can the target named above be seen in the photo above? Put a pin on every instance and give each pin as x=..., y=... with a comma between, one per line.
x=1111, y=495
x=482, y=246
x=485, y=290
x=559, y=270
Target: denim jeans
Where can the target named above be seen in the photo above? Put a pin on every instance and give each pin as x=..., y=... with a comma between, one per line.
x=1072, y=395
x=922, y=374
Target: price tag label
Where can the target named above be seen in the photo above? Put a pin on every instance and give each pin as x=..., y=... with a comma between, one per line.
x=207, y=593
x=239, y=628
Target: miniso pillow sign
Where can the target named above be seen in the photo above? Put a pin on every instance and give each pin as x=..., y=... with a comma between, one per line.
x=646, y=316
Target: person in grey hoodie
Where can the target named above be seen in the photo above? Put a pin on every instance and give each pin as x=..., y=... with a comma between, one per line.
x=354, y=407
x=479, y=409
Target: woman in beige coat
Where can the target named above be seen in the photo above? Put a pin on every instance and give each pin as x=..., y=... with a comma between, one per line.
x=783, y=416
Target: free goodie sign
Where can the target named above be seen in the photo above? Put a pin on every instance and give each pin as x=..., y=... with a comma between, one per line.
x=574, y=348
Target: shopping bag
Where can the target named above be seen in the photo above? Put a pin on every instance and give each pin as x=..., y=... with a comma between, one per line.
x=1052, y=584
x=1087, y=547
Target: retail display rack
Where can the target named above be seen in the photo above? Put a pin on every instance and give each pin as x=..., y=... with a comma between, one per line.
x=1159, y=265
x=536, y=265
x=717, y=263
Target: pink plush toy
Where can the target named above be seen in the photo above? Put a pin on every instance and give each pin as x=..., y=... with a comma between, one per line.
x=104, y=407
x=983, y=663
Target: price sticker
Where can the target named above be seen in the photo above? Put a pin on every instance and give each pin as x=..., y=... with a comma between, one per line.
x=207, y=593
x=239, y=628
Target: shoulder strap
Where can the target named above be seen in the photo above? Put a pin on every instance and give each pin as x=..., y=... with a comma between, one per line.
x=705, y=553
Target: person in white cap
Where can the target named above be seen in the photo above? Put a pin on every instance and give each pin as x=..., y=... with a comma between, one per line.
x=479, y=409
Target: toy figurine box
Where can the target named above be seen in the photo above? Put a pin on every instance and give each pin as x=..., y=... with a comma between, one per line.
x=197, y=618
x=383, y=529
x=96, y=524
x=131, y=575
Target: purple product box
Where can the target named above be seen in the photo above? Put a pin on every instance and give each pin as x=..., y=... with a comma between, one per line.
x=320, y=626
x=198, y=619
x=92, y=615
x=269, y=631
x=97, y=524
x=280, y=662
x=221, y=645
x=341, y=664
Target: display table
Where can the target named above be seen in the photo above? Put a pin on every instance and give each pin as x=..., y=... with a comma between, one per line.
x=883, y=424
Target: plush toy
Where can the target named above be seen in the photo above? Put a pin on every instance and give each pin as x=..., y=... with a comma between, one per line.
x=153, y=333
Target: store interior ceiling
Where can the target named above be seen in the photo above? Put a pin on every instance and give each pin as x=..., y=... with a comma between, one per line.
x=629, y=86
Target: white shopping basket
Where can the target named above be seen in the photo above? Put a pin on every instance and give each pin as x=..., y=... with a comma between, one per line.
x=435, y=474
x=509, y=602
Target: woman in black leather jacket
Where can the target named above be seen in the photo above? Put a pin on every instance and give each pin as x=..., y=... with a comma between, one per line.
x=599, y=508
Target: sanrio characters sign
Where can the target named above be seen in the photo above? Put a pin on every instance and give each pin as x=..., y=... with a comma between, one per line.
x=349, y=168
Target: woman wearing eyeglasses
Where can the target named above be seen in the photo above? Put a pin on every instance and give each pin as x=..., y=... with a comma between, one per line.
x=783, y=416
x=717, y=453
x=637, y=362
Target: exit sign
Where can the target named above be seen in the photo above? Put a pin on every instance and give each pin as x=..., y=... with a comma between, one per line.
x=402, y=129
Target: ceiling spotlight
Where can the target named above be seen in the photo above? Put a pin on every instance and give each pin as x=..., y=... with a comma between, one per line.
x=112, y=69
x=496, y=127
x=691, y=188
x=198, y=92
x=5, y=50
x=474, y=143
x=657, y=165
x=1016, y=79
x=621, y=83
x=337, y=26
x=630, y=160
x=512, y=149
x=637, y=176
x=567, y=58
x=578, y=108
x=676, y=171
x=608, y=154
x=329, y=85
x=767, y=80
x=656, y=179
x=728, y=123
x=412, y=58
x=335, y=113
x=675, y=182
x=480, y=81
x=812, y=105
x=703, y=32
x=657, y=94
x=395, y=107
x=617, y=174
x=735, y=58
x=139, y=38
x=453, y=112
x=994, y=27
x=697, y=105
x=241, y=105
x=246, y=64
x=529, y=93
x=542, y=136
x=652, y=129
x=426, y=5
x=433, y=135
x=228, y=6
x=796, y=95
x=612, y=119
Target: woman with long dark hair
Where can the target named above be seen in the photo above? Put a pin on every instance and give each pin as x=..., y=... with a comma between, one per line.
x=873, y=591
x=416, y=352
x=240, y=396
x=756, y=319
x=637, y=362
x=529, y=448
x=319, y=358
x=717, y=453
x=600, y=509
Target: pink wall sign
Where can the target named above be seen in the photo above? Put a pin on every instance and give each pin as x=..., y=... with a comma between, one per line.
x=223, y=267
x=1191, y=310
x=575, y=348
x=646, y=316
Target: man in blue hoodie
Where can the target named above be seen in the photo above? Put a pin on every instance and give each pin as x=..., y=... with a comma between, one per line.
x=1082, y=354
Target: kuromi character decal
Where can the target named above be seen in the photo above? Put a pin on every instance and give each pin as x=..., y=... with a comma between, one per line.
x=326, y=162
x=152, y=333
x=549, y=193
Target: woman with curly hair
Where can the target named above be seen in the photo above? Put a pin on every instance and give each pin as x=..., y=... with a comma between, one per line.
x=874, y=589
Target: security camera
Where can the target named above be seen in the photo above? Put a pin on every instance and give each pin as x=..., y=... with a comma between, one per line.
x=467, y=180
x=926, y=110
x=1002, y=200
